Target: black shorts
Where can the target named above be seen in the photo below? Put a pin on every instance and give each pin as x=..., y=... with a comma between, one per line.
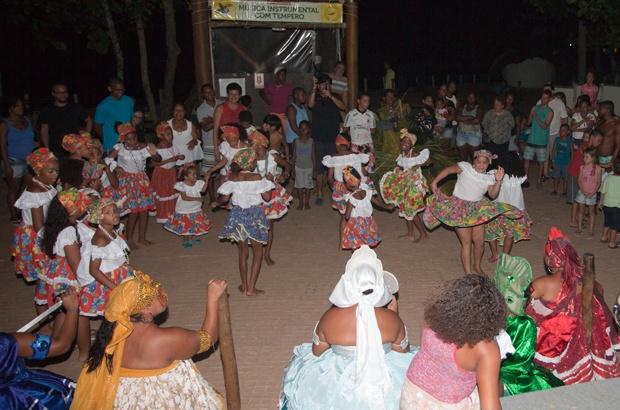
x=322, y=149
x=612, y=217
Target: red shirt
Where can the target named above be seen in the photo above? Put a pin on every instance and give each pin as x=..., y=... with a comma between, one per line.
x=577, y=161
x=279, y=97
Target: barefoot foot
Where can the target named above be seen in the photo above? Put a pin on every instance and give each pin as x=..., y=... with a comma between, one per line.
x=241, y=289
x=479, y=271
x=269, y=260
x=146, y=242
x=255, y=292
x=307, y=206
x=300, y=207
x=132, y=245
x=407, y=237
x=421, y=239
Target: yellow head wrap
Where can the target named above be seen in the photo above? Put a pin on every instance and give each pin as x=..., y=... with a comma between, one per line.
x=97, y=389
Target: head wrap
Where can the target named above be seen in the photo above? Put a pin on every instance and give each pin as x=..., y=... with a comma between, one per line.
x=348, y=176
x=513, y=276
x=245, y=157
x=363, y=284
x=74, y=200
x=259, y=138
x=229, y=132
x=96, y=209
x=73, y=142
x=404, y=133
x=160, y=129
x=97, y=389
x=485, y=153
x=183, y=168
x=340, y=140
x=39, y=158
x=125, y=129
x=560, y=253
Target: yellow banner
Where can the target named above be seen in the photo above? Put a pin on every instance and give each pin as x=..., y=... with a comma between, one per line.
x=280, y=12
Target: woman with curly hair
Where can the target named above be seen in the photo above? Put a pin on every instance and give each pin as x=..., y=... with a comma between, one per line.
x=458, y=348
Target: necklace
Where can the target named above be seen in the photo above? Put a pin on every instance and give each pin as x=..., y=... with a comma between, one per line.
x=139, y=164
x=41, y=184
x=113, y=239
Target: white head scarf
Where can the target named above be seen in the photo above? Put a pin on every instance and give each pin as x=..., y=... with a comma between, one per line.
x=363, y=273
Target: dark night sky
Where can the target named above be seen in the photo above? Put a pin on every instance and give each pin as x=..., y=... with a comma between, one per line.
x=446, y=37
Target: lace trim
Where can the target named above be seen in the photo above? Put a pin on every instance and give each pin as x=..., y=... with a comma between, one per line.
x=192, y=190
x=245, y=187
x=407, y=163
x=486, y=178
x=344, y=160
x=511, y=181
x=405, y=342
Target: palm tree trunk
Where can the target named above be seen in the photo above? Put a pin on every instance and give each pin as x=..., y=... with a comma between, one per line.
x=111, y=32
x=144, y=67
x=172, y=53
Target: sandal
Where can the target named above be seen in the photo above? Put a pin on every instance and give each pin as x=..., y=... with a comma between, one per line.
x=614, y=246
x=187, y=245
x=318, y=201
x=196, y=242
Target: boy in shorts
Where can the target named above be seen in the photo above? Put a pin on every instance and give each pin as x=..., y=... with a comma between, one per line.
x=302, y=164
x=540, y=118
x=561, y=158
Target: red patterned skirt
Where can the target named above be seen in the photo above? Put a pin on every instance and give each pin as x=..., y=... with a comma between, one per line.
x=196, y=223
x=162, y=182
x=28, y=256
x=277, y=206
x=56, y=277
x=95, y=295
x=360, y=231
x=136, y=191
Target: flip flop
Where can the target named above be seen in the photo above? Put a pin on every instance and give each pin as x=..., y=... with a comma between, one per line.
x=318, y=201
x=614, y=246
x=187, y=245
x=196, y=242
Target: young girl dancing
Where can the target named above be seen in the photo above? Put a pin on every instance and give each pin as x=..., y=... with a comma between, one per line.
x=458, y=363
x=105, y=260
x=134, y=189
x=589, y=183
x=62, y=240
x=336, y=164
x=468, y=210
x=406, y=186
x=361, y=228
x=505, y=230
x=235, y=139
x=165, y=175
x=188, y=220
x=28, y=256
x=247, y=221
x=267, y=167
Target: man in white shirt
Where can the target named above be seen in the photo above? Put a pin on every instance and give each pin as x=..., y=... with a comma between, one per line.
x=204, y=113
x=360, y=124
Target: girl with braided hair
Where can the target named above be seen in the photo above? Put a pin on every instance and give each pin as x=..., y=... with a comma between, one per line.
x=63, y=237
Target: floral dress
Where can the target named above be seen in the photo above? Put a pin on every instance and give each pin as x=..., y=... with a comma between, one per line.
x=406, y=189
x=518, y=229
x=134, y=191
x=188, y=218
x=361, y=228
x=277, y=206
x=28, y=256
x=338, y=163
x=468, y=206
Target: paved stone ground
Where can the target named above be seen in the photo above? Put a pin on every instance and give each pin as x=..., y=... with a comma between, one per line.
x=297, y=288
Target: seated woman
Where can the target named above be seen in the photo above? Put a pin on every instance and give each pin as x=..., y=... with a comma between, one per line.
x=518, y=373
x=134, y=360
x=23, y=388
x=556, y=307
x=360, y=350
x=457, y=366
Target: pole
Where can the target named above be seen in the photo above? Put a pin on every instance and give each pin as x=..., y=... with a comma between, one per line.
x=351, y=20
x=227, y=353
x=587, y=293
x=202, y=42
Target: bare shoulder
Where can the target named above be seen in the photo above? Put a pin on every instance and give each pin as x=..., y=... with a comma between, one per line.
x=35, y=188
x=100, y=240
x=251, y=177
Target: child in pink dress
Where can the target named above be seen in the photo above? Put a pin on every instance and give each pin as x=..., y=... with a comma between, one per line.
x=589, y=183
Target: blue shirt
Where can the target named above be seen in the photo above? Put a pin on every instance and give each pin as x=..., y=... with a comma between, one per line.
x=110, y=111
x=301, y=115
x=562, y=151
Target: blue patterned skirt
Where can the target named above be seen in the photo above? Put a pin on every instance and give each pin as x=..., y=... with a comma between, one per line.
x=243, y=224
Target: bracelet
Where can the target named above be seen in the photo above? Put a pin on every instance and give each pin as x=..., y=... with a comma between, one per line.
x=205, y=341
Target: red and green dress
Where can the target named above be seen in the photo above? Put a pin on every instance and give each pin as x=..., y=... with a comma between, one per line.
x=406, y=188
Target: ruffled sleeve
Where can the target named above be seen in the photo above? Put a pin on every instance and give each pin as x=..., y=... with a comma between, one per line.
x=112, y=251
x=145, y=153
x=255, y=187
x=67, y=236
x=111, y=163
x=344, y=160
x=512, y=181
x=407, y=163
x=31, y=200
x=486, y=178
x=180, y=186
x=119, y=147
x=226, y=188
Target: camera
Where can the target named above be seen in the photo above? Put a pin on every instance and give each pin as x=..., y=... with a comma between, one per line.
x=318, y=68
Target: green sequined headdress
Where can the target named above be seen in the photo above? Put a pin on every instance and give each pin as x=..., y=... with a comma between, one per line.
x=513, y=276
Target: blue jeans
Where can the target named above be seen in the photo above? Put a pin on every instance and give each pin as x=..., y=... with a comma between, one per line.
x=471, y=138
